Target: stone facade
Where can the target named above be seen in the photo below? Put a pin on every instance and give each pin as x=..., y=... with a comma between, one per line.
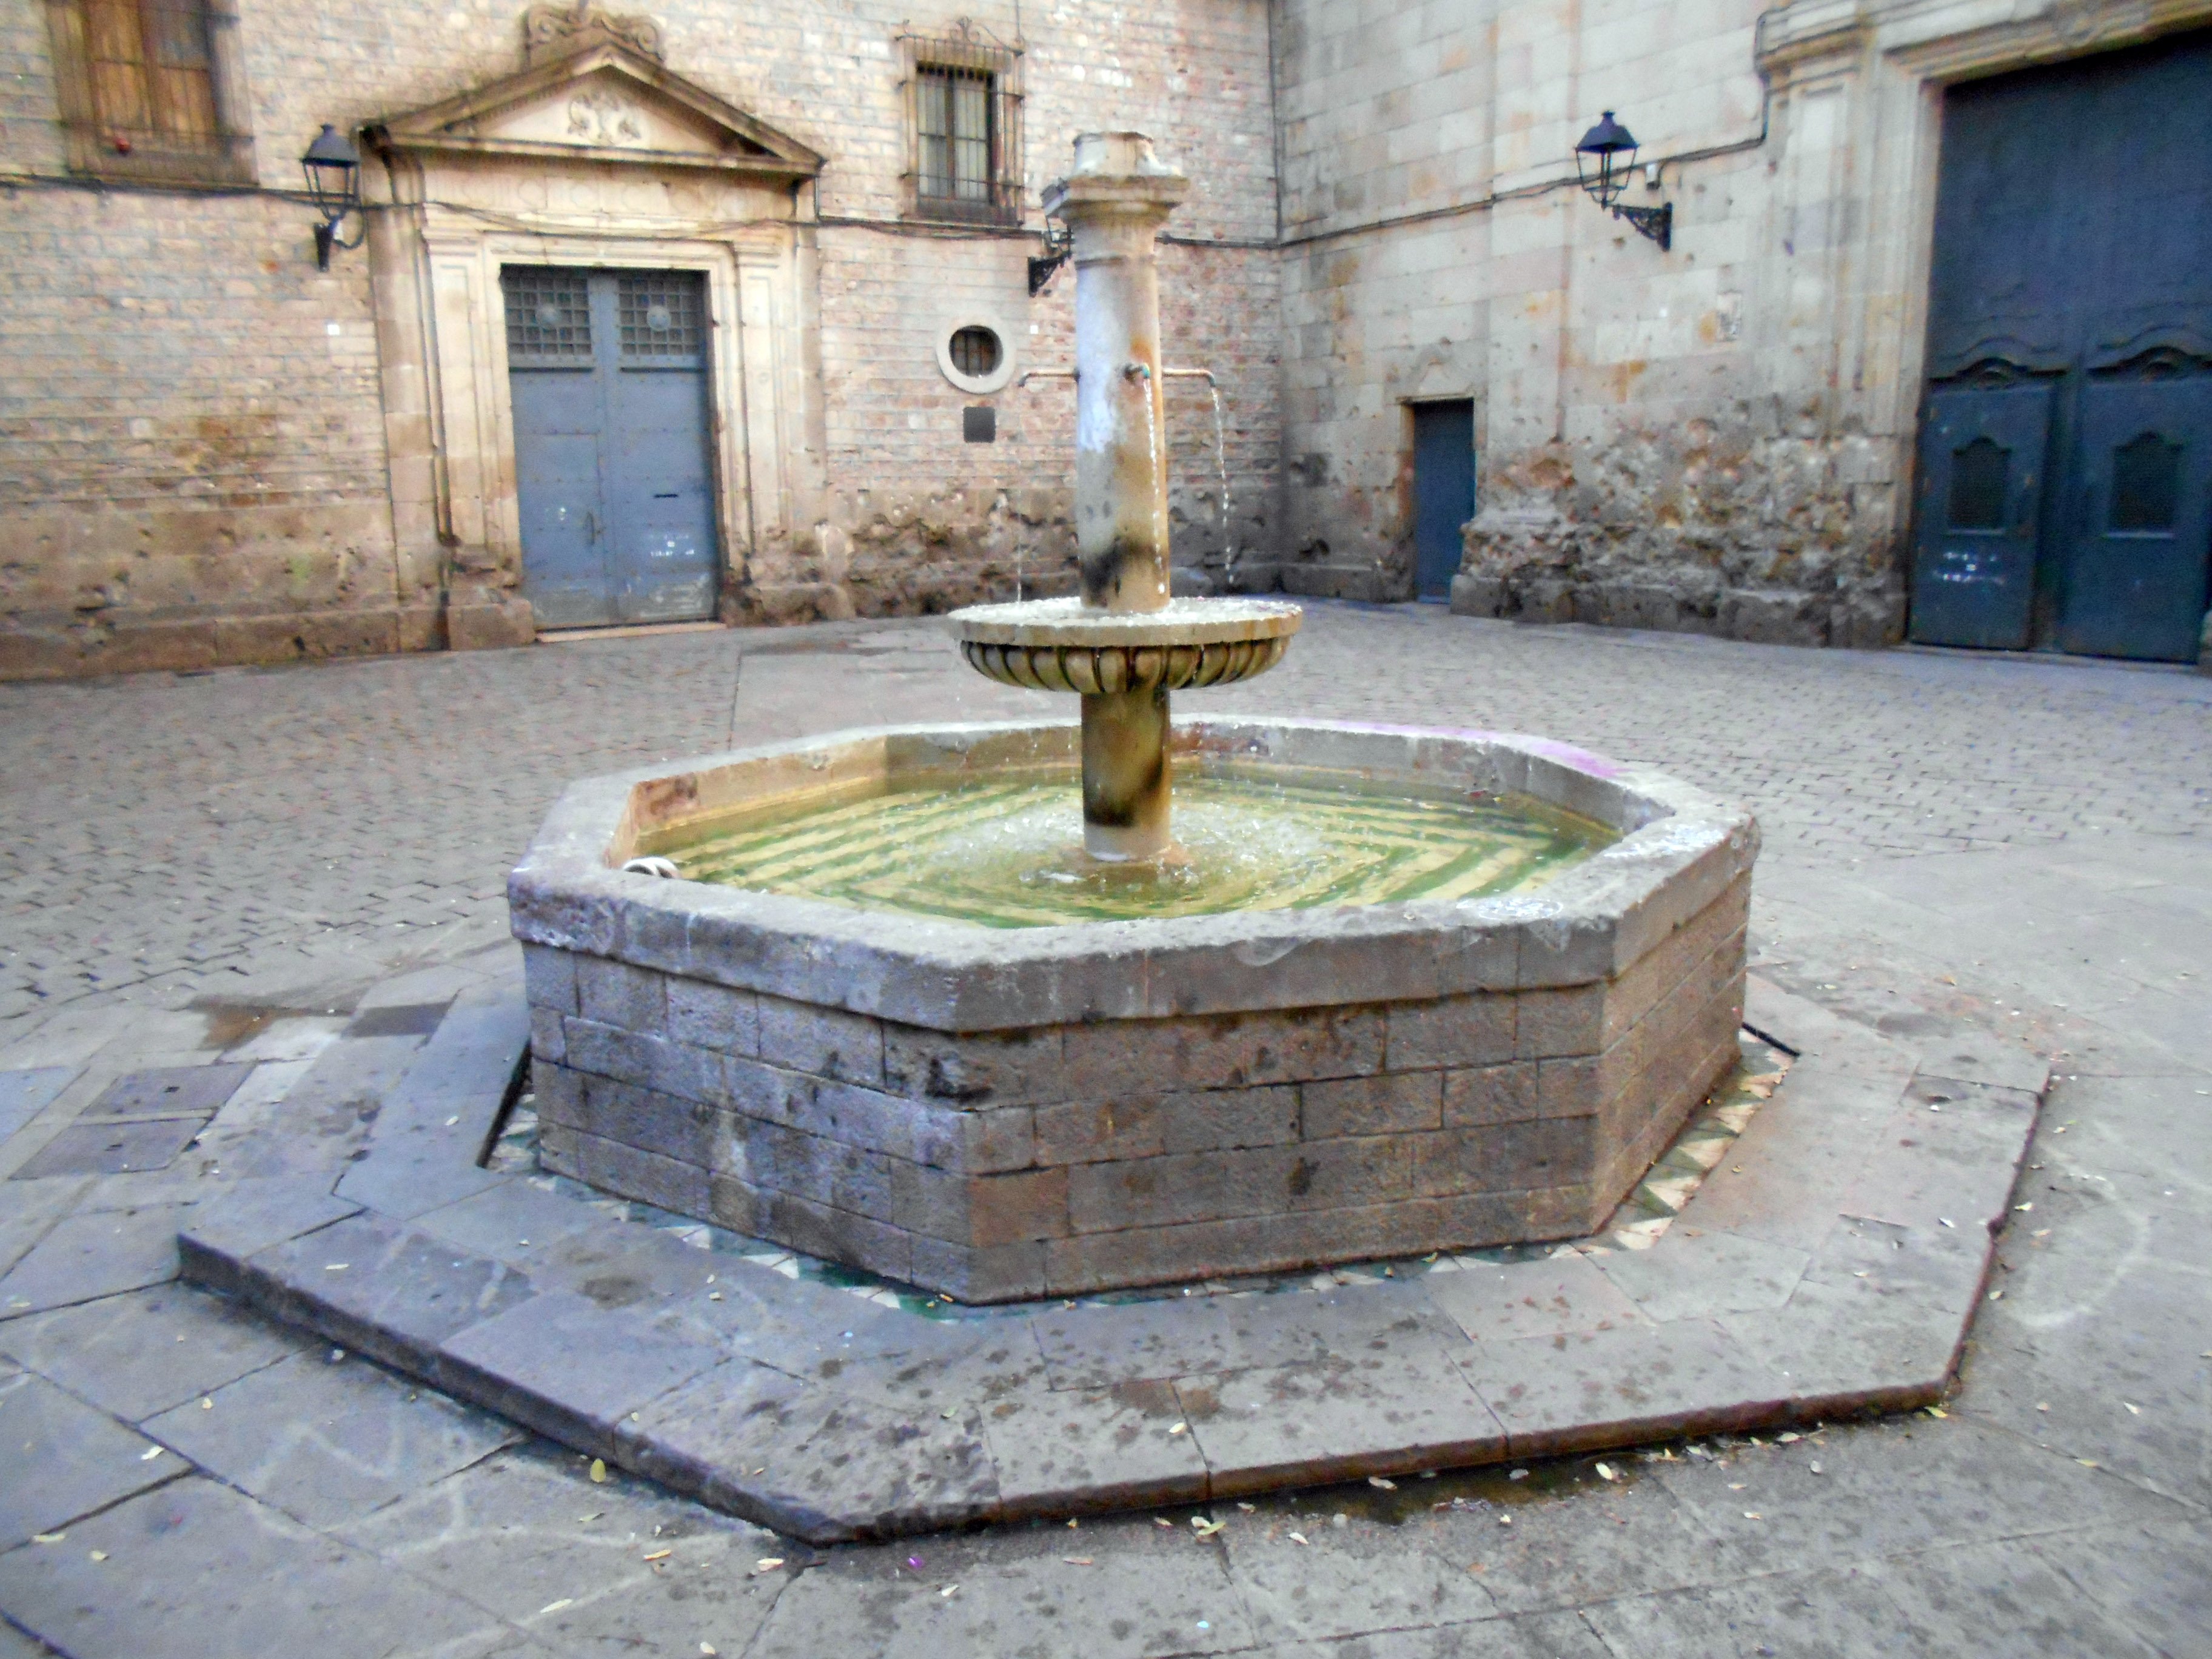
x=1717, y=437
x=215, y=453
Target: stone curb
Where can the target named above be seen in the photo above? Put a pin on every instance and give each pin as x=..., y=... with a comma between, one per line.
x=1832, y=1265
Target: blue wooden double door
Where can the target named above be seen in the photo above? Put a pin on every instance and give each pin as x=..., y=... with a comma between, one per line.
x=608, y=370
x=2064, y=495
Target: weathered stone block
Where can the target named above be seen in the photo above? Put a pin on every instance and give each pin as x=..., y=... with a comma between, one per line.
x=549, y=977
x=827, y=1041
x=1383, y=1104
x=656, y=1180
x=1459, y=1030
x=713, y=1017
x=653, y=1063
x=634, y=1000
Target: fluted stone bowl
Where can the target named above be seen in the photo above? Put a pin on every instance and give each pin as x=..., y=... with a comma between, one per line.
x=1059, y=645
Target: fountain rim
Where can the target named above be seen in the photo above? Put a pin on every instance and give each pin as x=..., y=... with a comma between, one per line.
x=1678, y=848
x=1069, y=622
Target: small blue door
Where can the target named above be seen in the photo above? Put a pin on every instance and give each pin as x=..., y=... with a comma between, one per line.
x=2140, y=526
x=1443, y=492
x=1981, y=483
x=612, y=463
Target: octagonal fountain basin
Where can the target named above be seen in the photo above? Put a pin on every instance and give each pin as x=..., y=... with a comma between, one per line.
x=1399, y=990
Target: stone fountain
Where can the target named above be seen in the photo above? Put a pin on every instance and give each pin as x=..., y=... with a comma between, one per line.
x=1407, y=990
x=1125, y=643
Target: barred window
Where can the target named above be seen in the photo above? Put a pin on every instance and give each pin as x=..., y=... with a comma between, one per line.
x=148, y=89
x=964, y=114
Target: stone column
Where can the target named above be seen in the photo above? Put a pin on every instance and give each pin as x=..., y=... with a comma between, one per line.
x=1114, y=203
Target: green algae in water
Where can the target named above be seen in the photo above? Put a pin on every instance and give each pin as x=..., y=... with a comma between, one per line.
x=1008, y=851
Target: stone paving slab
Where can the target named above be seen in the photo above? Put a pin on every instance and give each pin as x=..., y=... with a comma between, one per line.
x=1863, y=1206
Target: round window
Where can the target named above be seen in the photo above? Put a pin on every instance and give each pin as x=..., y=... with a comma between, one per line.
x=976, y=351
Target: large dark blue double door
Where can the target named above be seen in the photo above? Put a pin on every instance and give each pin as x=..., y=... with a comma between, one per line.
x=608, y=376
x=2065, y=468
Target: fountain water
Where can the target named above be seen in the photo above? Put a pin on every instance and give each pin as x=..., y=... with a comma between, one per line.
x=1125, y=643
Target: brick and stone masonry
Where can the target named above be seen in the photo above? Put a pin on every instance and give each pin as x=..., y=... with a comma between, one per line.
x=1072, y=1157
x=1001, y=1114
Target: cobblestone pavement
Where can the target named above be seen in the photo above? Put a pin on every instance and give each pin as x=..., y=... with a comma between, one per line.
x=181, y=858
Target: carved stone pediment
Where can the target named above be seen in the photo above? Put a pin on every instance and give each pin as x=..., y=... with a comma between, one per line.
x=602, y=100
x=556, y=31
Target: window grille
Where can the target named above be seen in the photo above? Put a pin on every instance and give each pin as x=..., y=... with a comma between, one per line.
x=148, y=89
x=549, y=315
x=659, y=314
x=964, y=106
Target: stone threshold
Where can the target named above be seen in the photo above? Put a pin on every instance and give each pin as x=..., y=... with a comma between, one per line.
x=1831, y=1264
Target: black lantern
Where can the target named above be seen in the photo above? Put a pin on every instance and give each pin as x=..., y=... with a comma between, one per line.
x=332, y=167
x=1059, y=243
x=1605, y=158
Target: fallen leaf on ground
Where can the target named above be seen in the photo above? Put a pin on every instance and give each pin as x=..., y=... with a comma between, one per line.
x=1078, y=1560
x=1297, y=1538
x=1606, y=1472
x=99, y=1555
x=2133, y=1410
x=948, y=1590
x=556, y=1607
x=660, y=1555
x=1378, y=1480
x=1202, y=1528
x=149, y=1454
x=48, y=1537
x=1752, y=1515
x=767, y=1563
x=1178, y=1428
x=599, y=1470
x=1504, y=1520
x=1162, y=1521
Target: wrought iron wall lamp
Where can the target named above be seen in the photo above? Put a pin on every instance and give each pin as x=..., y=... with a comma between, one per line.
x=1058, y=244
x=332, y=167
x=1605, y=159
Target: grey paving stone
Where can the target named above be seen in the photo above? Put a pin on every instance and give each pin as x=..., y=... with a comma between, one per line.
x=1096, y=1345
x=1563, y=1536
x=1618, y=1387
x=2116, y=1318
x=170, y=1091
x=326, y=1440
x=931, y=1365
x=1691, y=1273
x=65, y=1458
x=24, y=1095
x=1531, y=1636
x=1563, y=1293
x=1372, y=1579
x=2155, y=1580
x=193, y=1569
x=111, y=1148
x=1996, y=1597
x=808, y=1459
x=1150, y=1596
x=83, y=1257
x=143, y=1351
x=382, y=1289
x=251, y=1216
x=571, y=1368
x=328, y=1110
x=29, y=1208
x=1850, y=1347
x=528, y=1536
x=515, y=1221
x=14, y=1644
x=1882, y=1492
x=1815, y=1615
x=1380, y=1410
x=1058, y=1452
x=397, y=1019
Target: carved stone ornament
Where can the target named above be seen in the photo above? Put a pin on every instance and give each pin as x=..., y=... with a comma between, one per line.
x=556, y=31
x=599, y=115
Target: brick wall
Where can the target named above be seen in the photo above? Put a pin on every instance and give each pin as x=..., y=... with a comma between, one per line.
x=191, y=447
